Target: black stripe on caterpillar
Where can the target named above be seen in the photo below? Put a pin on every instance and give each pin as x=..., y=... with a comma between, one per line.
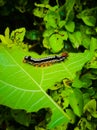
x=45, y=61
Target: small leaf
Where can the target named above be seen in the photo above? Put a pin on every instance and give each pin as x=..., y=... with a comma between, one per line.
x=88, y=16
x=91, y=108
x=6, y=39
x=70, y=26
x=76, y=102
x=39, y=12
x=89, y=20
x=76, y=39
x=86, y=41
x=56, y=43
x=7, y=31
x=62, y=23
x=77, y=83
x=17, y=36
x=21, y=117
x=86, y=98
x=3, y=39
x=46, y=43
x=72, y=115
x=51, y=19
x=93, y=45
x=93, y=49
x=84, y=81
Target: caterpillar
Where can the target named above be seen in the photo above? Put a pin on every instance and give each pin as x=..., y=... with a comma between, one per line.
x=45, y=61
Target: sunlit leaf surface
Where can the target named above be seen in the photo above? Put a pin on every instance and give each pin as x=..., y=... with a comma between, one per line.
x=23, y=86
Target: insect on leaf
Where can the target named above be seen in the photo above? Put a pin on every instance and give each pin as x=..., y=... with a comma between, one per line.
x=24, y=86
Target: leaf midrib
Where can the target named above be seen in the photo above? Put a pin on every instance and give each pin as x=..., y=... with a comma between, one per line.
x=54, y=103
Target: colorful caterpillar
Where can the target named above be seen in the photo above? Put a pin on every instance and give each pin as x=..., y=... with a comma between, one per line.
x=45, y=61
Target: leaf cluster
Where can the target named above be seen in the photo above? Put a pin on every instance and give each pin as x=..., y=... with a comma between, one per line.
x=16, y=37
x=65, y=93
x=66, y=24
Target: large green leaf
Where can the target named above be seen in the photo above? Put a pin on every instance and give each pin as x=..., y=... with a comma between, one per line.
x=23, y=86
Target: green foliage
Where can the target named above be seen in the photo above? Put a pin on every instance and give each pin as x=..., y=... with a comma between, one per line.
x=76, y=102
x=21, y=116
x=88, y=16
x=15, y=38
x=93, y=62
x=61, y=18
x=54, y=35
x=67, y=90
x=56, y=43
x=76, y=39
x=37, y=84
x=70, y=26
x=5, y=39
x=90, y=110
x=84, y=125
